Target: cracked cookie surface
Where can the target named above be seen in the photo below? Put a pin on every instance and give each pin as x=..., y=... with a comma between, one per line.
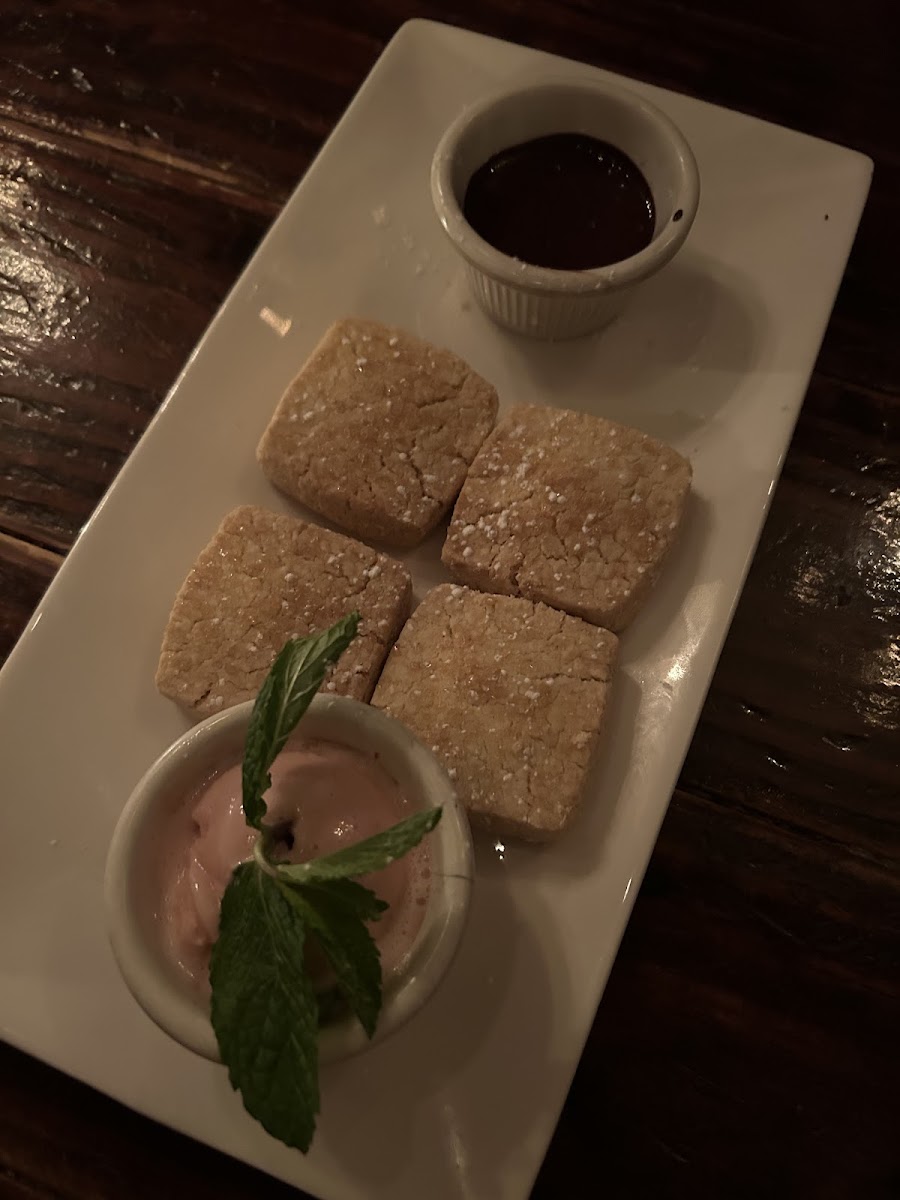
x=510, y=695
x=569, y=509
x=265, y=578
x=377, y=431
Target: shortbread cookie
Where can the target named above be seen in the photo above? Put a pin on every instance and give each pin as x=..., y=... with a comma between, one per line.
x=569, y=509
x=511, y=696
x=263, y=579
x=377, y=431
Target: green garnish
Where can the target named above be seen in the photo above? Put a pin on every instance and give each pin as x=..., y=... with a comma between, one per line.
x=372, y=854
x=265, y=1010
x=284, y=697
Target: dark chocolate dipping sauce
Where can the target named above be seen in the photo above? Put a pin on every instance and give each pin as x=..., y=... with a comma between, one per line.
x=566, y=200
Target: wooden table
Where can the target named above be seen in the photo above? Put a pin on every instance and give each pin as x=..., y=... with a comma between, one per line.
x=743, y=1045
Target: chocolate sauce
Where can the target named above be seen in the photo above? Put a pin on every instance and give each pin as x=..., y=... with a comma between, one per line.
x=566, y=200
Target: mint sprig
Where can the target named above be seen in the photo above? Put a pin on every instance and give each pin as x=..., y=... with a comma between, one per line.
x=284, y=697
x=265, y=1010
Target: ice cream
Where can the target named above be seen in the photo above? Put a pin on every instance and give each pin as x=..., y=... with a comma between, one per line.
x=324, y=796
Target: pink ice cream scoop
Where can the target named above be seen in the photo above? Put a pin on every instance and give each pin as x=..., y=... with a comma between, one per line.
x=323, y=797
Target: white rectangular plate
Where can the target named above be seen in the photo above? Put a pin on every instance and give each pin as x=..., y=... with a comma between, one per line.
x=714, y=357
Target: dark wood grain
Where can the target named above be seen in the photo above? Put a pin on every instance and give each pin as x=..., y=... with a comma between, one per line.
x=744, y=1044
x=25, y=572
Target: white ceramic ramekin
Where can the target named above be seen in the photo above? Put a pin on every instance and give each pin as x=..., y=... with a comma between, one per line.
x=539, y=301
x=132, y=884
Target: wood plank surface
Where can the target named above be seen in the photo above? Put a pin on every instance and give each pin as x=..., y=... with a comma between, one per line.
x=745, y=1044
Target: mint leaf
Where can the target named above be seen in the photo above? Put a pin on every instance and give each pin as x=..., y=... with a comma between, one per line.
x=264, y=1010
x=362, y=900
x=284, y=697
x=372, y=854
x=335, y=911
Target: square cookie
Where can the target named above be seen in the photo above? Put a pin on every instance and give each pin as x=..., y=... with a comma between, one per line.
x=569, y=509
x=377, y=431
x=265, y=578
x=511, y=696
